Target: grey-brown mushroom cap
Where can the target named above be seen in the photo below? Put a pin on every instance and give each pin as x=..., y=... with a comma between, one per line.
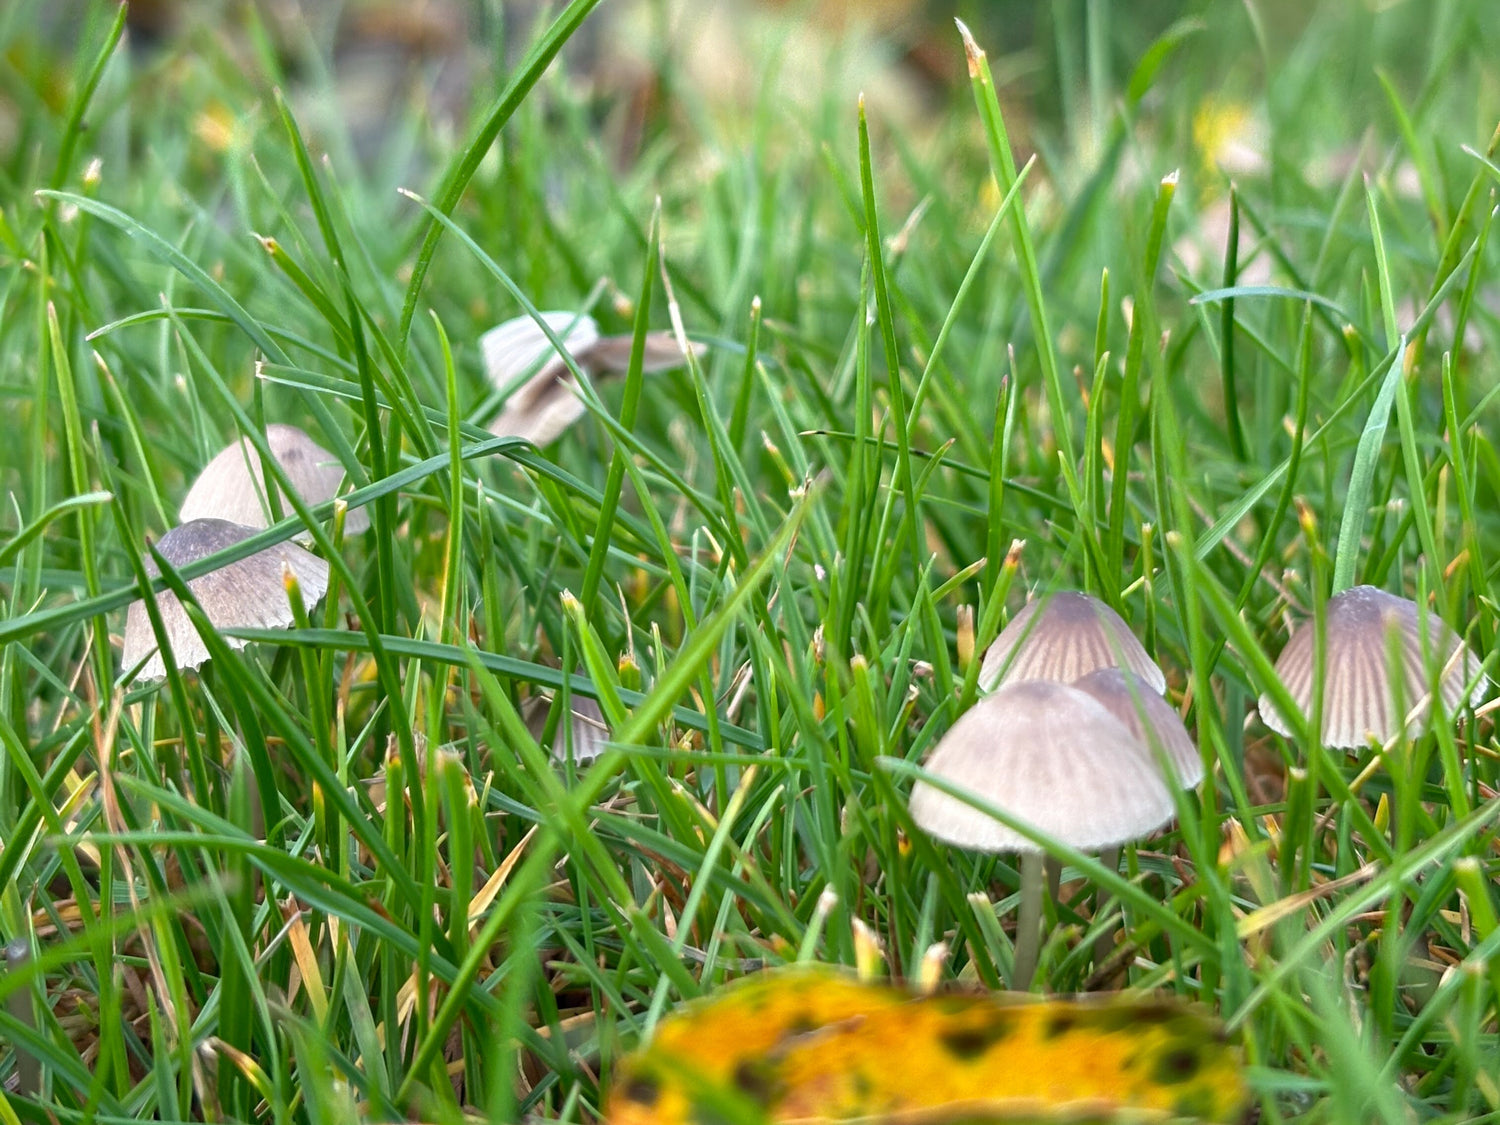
x=1061, y=637
x=1147, y=716
x=542, y=408
x=659, y=352
x=1048, y=754
x=232, y=486
x=586, y=726
x=248, y=594
x=1358, y=698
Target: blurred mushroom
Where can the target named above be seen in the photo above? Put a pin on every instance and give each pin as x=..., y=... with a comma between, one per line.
x=1204, y=246
x=585, y=730
x=1359, y=695
x=1061, y=637
x=547, y=403
x=515, y=347
x=233, y=485
x=248, y=594
x=1055, y=757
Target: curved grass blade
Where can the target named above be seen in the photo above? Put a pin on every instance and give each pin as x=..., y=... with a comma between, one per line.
x=462, y=170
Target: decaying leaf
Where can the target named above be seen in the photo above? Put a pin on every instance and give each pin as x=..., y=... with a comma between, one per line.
x=812, y=1045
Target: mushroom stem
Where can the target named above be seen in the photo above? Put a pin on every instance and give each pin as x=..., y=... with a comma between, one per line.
x=1104, y=942
x=1053, y=867
x=1029, y=924
x=28, y=1067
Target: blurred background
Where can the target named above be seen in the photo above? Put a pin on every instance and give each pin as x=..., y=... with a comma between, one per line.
x=740, y=116
x=1060, y=64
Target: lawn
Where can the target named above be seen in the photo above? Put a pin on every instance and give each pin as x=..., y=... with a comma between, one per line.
x=1189, y=306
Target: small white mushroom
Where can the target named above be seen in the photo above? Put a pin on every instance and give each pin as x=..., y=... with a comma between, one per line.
x=1050, y=755
x=546, y=404
x=248, y=594
x=1359, y=697
x=1061, y=637
x=233, y=485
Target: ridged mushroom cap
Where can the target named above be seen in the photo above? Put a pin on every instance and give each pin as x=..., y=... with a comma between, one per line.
x=1061, y=637
x=585, y=725
x=1147, y=716
x=1358, y=698
x=1048, y=754
x=232, y=486
x=248, y=594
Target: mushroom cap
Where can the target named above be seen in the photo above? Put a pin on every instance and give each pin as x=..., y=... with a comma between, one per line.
x=514, y=347
x=1147, y=716
x=232, y=486
x=659, y=352
x=1358, y=701
x=248, y=594
x=586, y=726
x=1061, y=637
x=1050, y=755
x=543, y=407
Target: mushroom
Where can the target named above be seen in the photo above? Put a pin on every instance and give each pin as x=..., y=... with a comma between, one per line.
x=585, y=736
x=248, y=594
x=1158, y=727
x=1055, y=757
x=1061, y=637
x=547, y=403
x=1153, y=721
x=515, y=347
x=1359, y=694
x=233, y=486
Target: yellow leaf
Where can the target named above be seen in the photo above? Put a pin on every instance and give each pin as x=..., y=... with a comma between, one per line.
x=812, y=1045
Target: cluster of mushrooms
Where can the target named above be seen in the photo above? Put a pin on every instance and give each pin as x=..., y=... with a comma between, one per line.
x=1073, y=736
x=1075, y=739
x=231, y=500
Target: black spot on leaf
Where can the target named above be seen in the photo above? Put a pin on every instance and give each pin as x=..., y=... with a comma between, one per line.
x=757, y=1080
x=969, y=1043
x=1058, y=1025
x=641, y=1089
x=1179, y=1064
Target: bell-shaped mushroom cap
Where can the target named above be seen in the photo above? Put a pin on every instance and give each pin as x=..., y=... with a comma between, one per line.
x=1358, y=698
x=1148, y=716
x=1050, y=755
x=1061, y=637
x=232, y=486
x=248, y=594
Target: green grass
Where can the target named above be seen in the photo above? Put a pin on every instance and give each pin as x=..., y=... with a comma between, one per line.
x=758, y=565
